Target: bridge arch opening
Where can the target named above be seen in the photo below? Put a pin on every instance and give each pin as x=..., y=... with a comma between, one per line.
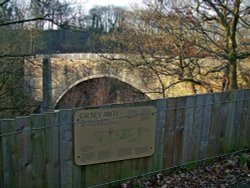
x=99, y=91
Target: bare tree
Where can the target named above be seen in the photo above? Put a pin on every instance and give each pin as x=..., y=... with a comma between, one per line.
x=185, y=41
x=153, y=40
x=220, y=25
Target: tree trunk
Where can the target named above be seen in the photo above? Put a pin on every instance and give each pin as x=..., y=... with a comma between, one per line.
x=232, y=73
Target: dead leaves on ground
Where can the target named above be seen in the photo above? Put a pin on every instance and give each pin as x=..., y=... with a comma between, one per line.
x=222, y=173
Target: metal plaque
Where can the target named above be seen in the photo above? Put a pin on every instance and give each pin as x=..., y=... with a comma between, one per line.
x=104, y=135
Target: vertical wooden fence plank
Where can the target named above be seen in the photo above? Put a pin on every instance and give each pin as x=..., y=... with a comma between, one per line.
x=220, y=121
x=238, y=123
x=39, y=163
x=147, y=164
x=77, y=170
x=206, y=126
x=135, y=163
x=188, y=138
x=214, y=132
x=161, y=107
x=90, y=175
x=197, y=126
x=114, y=172
x=10, y=166
x=243, y=104
x=77, y=178
x=102, y=174
x=243, y=140
x=230, y=140
x=225, y=122
x=179, y=135
x=66, y=149
x=170, y=132
x=1, y=155
x=52, y=143
x=24, y=151
x=247, y=122
x=151, y=159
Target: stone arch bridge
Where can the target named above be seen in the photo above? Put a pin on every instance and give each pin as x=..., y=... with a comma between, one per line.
x=49, y=78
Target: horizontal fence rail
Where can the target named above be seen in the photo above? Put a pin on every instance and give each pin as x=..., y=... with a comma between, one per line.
x=38, y=150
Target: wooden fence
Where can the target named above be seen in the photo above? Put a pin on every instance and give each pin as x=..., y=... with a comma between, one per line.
x=37, y=151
